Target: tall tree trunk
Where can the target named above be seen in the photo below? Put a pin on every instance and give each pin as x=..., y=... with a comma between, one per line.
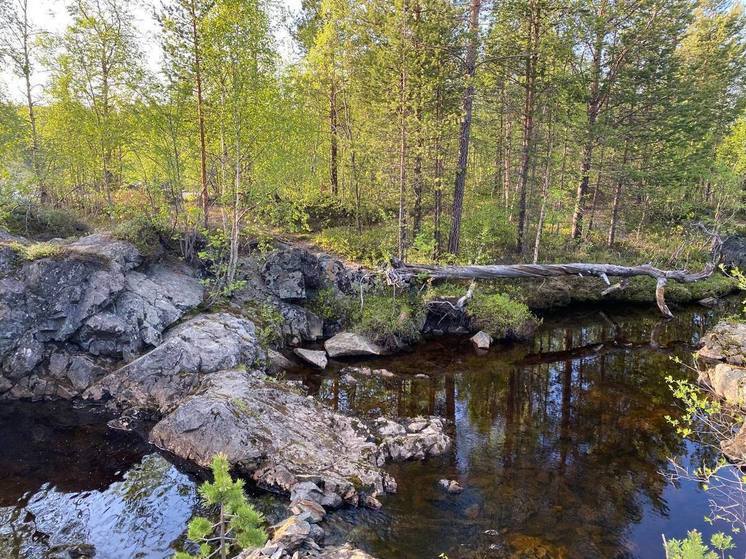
x=593, y=108
x=528, y=119
x=438, y=172
x=200, y=114
x=594, y=198
x=35, y=161
x=544, y=191
x=464, y=135
x=402, y=166
x=333, y=125
x=617, y=199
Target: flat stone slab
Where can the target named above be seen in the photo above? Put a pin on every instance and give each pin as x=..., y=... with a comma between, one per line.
x=349, y=344
x=312, y=357
x=725, y=342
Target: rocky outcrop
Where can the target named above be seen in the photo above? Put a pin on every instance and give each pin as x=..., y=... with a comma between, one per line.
x=348, y=344
x=725, y=342
x=278, y=436
x=65, y=318
x=290, y=442
x=161, y=378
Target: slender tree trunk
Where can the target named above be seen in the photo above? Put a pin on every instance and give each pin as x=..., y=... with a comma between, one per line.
x=417, y=184
x=463, y=159
x=594, y=198
x=200, y=114
x=594, y=106
x=617, y=199
x=507, y=154
x=402, y=166
x=544, y=192
x=528, y=120
x=438, y=171
x=333, y=125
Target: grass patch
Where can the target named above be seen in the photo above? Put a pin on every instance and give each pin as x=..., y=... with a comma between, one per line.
x=501, y=316
x=37, y=251
x=41, y=223
x=386, y=319
x=328, y=304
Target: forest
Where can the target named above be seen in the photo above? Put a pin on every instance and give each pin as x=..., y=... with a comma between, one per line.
x=345, y=279
x=430, y=130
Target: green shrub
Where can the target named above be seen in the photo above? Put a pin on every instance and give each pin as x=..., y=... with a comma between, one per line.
x=268, y=321
x=38, y=222
x=501, y=316
x=692, y=547
x=145, y=233
x=387, y=318
x=371, y=246
x=328, y=304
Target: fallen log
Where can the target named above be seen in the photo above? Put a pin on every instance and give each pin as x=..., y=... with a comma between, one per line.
x=401, y=272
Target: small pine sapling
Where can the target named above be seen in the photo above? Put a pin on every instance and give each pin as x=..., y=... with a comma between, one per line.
x=239, y=525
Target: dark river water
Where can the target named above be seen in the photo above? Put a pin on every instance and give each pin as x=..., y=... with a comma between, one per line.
x=559, y=444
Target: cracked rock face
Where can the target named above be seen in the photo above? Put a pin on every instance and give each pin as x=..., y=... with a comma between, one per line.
x=292, y=443
x=163, y=377
x=279, y=437
x=94, y=301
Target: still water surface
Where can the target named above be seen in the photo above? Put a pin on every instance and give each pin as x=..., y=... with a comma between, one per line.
x=559, y=444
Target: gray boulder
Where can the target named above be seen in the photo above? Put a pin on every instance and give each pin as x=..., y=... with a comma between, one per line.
x=416, y=439
x=725, y=342
x=734, y=252
x=727, y=382
x=93, y=300
x=313, y=357
x=481, y=340
x=278, y=436
x=161, y=378
x=349, y=344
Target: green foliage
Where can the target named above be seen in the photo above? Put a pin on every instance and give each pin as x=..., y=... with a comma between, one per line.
x=238, y=526
x=371, y=246
x=145, y=233
x=268, y=321
x=39, y=222
x=329, y=304
x=387, y=316
x=692, y=547
x=215, y=257
x=37, y=251
x=501, y=316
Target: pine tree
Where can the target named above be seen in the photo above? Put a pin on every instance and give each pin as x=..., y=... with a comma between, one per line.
x=239, y=525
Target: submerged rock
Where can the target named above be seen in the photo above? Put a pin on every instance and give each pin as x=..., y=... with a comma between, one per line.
x=450, y=486
x=413, y=439
x=312, y=357
x=349, y=344
x=160, y=379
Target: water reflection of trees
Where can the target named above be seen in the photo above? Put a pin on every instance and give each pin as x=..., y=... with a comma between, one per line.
x=562, y=439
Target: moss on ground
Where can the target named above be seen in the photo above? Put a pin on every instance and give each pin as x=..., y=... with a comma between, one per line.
x=501, y=316
x=386, y=317
x=37, y=251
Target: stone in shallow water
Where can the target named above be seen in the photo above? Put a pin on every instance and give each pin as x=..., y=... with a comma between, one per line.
x=349, y=344
x=312, y=357
x=481, y=340
x=727, y=382
x=450, y=486
x=280, y=437
x=725, y=342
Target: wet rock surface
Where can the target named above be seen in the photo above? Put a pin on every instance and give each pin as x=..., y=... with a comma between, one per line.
x=65, y=318
x=727, y=382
